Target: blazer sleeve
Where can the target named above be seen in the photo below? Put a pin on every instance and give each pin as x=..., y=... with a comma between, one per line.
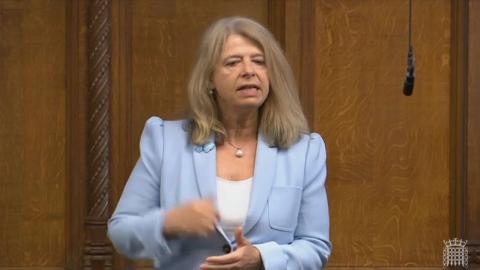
x=311, y=247
x=136, y=227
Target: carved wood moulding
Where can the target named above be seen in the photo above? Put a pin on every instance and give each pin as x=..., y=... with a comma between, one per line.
x=474, y=254
x=97, y=250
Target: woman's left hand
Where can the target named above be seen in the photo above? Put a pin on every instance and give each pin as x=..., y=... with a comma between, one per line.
x=245, y=257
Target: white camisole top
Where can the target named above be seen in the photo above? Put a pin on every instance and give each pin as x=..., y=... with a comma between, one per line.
x=233, y=198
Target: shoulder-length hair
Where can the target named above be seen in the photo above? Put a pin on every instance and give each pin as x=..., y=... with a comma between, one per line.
x=281, y=119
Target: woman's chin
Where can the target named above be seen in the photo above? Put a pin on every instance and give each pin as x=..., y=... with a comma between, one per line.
x=243, y=106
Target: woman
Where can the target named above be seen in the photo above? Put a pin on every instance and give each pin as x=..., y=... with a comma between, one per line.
x=244, y=161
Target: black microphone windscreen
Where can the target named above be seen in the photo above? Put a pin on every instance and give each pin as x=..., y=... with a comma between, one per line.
x=408, y=85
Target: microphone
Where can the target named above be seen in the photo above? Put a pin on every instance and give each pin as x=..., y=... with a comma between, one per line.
x=410, y=79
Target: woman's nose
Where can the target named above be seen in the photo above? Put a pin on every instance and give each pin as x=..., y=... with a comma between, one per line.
x=248, y=69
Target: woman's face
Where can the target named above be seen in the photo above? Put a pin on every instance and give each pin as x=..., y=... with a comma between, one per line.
x=240, y=76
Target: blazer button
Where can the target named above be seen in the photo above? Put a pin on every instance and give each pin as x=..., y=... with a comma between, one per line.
x=226, y=249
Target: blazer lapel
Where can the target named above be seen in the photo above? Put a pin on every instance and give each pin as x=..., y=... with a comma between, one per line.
x=263, y=179
x=204, y=161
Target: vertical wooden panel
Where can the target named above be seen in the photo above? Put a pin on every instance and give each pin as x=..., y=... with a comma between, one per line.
x=473, y=135
x=388, y=154
x=300, y=32
x=293, y=36
x=123, y=147
x=32, y=133
x=458, y=126
x=77, y=90
x=276, y=20
x=308, y=55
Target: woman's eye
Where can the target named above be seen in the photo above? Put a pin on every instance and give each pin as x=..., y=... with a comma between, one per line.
x=259, y=62
x=231, y=64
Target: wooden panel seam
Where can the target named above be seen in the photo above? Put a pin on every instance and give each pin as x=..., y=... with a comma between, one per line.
x=307, y=68
x=74, y=192
x=122, y=96
x=276, y=20
x=472, y=207
x=458, y=122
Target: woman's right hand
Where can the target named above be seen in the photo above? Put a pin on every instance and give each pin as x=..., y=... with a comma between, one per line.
x=196, y=218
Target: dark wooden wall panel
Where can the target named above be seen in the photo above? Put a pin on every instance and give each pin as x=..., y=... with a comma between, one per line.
x=32, y=133
x=473, y=134
x=122, y=144
x=293, y=35
x=388, y=154
x=76, y=87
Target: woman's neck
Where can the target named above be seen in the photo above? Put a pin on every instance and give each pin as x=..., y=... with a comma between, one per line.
x=241, y=128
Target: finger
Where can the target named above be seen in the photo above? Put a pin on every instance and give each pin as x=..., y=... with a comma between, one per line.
x=223, y=259
x=207, y=266
x=240, y=238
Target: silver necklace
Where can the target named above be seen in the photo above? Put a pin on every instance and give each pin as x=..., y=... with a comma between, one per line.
x=239, y=151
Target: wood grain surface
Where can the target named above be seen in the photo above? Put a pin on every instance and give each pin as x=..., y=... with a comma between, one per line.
x=388, y=154
x=473, y=135
x=76, y=89
x=32, y=133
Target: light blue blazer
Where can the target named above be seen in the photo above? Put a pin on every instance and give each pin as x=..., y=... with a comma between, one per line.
x=287, y=218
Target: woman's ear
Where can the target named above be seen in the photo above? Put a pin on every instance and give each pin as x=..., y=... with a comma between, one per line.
x=211, y=85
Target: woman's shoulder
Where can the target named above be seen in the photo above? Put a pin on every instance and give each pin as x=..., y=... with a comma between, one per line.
x=311, y=144
x=308, y=143
x=158, y=132
x=156, y=122
x=311, y=138
x=156, y=129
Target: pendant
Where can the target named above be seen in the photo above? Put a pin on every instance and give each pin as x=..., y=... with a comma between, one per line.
x=239, y=153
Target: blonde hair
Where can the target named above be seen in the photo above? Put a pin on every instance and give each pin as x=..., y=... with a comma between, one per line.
x=281, y=119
